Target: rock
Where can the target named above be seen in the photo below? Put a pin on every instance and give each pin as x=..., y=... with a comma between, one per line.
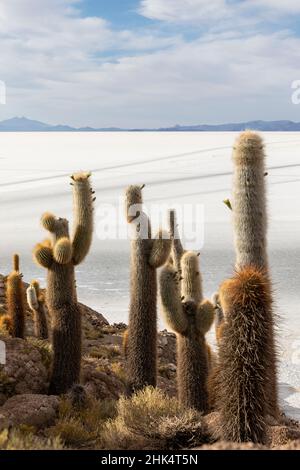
x=94, y=318
x=24, y=371
x=282, y=435
x=120, y=326
x=166, y=347
x=167, y=385
x=112, y=339
x=99, y=381
x=33, y=410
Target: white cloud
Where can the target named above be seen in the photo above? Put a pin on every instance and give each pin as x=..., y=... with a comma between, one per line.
x=287, y=6
x=60, y=67
x=209, y=13
x=184, y=10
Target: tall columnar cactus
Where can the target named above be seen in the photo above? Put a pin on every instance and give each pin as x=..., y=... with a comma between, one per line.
x=147, y=255
x=244, y=356
x=15, y=300
x=190, y=317
x=59, y=255
x=249, y=201
x=36, y=302
x=250, y=227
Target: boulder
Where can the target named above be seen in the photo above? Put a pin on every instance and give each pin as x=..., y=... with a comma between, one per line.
x=29, y=409
x=99, y=381
x=24, y=370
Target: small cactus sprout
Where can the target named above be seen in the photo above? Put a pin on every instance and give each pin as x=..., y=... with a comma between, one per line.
x=147, y=255
x=15, y=300
x=36, y=302
x=244, y=358
x=190, y=317
x=16, y=262
x=250, y=226
x=59, y=255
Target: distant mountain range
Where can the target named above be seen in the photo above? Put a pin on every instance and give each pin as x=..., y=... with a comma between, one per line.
x=22, y=124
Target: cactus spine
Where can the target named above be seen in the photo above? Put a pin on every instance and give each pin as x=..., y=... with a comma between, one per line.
x=15, y=300
x=190, y=317
x=36, y=302
x=147, y=255
x=250, y=228
x=243, y=362
x=59, y=255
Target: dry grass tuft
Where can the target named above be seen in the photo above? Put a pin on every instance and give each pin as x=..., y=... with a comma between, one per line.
x=81, y=428
x=151, y=420
x=21, y=439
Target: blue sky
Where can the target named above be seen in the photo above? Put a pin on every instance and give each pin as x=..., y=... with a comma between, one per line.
x=121, y=13
x=149, y=63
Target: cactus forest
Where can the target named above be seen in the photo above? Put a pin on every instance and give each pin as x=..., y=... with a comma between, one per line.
x=109, y=386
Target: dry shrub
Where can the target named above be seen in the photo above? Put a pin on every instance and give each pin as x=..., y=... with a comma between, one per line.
x=72, y=433
x=17, y=439
x=118, y=369
x=152, y=420
x=81, y=428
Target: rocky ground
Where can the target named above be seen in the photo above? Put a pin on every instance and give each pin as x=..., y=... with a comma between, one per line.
x=50, y=422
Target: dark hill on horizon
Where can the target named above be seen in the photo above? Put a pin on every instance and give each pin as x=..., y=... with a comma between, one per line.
x=23, y=124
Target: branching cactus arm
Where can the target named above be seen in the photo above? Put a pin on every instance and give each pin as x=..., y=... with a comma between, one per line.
x=160, y=249
x=171, y=303
x=62, y=251
x=205, y=316
x=133, y=202
x=191, y=277
x=43, y=254
x=83, y=198
x=177, y=248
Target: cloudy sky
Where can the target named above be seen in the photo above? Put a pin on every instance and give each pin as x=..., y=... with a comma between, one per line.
x=149, y=63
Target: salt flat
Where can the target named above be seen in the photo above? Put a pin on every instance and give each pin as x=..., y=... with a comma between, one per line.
x=177, y=168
